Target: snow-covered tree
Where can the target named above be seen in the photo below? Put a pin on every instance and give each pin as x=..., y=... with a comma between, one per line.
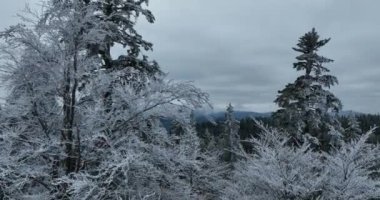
x=276, y=170
x=351, y=170
x=129, y=154
x=118, y=24
x=41, y=71
x=230, y=137
x=306, y=106
x=65, y=134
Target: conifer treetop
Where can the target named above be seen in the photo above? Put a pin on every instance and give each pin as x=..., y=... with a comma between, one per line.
x=306, y=105
x=309, y=60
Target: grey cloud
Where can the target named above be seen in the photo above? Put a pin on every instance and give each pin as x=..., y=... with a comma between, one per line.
x=240, y=51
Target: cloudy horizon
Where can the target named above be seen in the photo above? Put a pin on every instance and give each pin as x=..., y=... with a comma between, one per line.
x=240, y=51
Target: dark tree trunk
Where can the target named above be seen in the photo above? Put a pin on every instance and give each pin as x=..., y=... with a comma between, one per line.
x=69, y=100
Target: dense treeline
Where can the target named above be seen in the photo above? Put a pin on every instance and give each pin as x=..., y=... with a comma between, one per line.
x=366, y=122
x=249, y=128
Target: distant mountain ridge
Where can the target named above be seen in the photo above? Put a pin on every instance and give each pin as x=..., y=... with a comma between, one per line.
x=349, y=112
x=219, y=116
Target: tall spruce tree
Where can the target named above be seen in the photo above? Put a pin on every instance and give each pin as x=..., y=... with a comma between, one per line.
x=307, y=106
x=231, y=138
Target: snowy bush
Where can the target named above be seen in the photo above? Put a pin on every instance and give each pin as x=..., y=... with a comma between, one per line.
x=277, y=170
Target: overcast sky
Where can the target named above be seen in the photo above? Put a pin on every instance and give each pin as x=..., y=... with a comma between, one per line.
x=240, y=51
